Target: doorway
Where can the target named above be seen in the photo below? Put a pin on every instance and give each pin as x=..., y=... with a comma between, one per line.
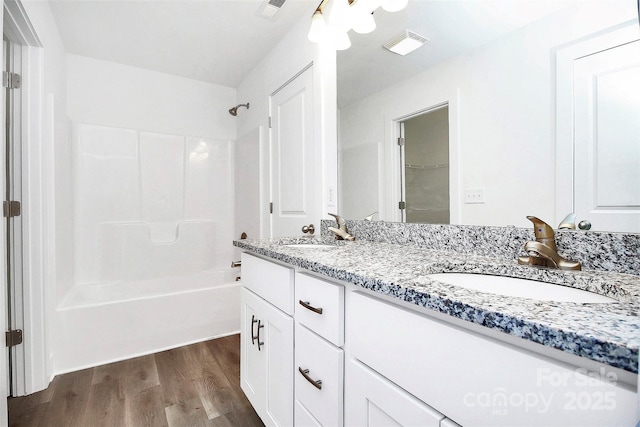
x=424, y=157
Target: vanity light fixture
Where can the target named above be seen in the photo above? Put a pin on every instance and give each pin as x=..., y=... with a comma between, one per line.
x=405, y=42
x=333, y=19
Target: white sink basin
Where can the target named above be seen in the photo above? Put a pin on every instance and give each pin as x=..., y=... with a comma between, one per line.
x=523, y=288
x=309, y=246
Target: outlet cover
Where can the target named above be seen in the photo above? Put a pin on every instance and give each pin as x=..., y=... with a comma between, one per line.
x=474, y=195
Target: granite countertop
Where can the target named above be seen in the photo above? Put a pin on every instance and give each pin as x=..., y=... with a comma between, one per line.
x=604, y=332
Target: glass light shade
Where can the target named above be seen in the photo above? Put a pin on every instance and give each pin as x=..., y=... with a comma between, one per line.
x=364, y=24
x=365, y=5
x=338, y=14
x=394, y=5
x=341, y=40
x=318, y=28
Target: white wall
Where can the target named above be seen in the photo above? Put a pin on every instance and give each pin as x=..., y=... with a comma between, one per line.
x=506, y=120
x=110, y=94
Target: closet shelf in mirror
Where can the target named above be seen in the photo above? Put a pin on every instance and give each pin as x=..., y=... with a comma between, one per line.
x=412, y=166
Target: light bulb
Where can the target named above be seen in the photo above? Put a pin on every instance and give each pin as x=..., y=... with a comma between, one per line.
x=318, y=28
x=394, y=5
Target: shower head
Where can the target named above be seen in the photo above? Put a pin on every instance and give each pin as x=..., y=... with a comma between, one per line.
x=234, y=111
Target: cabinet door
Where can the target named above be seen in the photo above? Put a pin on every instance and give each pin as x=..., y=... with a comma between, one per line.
x=252, y=362
x=373, y=401
x=266, y=353
x=278, y=349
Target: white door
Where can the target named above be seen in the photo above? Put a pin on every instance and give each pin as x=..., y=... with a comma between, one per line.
x=293, y=163
x=607, y=138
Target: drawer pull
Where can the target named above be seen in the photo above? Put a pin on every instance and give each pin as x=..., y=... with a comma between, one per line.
x=253, y=336
x=306, y=305
x=260, y=326
x=305, y=373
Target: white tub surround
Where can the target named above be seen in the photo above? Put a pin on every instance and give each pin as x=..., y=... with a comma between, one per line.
x=152, y=215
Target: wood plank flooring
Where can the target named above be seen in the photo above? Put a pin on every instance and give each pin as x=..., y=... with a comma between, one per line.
x=196, y=385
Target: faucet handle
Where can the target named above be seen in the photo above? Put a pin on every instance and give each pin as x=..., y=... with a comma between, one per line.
x=341, y=222
x=543, y=232
x=370, y=217
x=569, y=222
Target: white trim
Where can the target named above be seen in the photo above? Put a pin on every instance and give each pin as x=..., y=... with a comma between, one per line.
x=565, y=57
x=17, y=25
x=4, y=419
x=389, y=185
x=36, y=268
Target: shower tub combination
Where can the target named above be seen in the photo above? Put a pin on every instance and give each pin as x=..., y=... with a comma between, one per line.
x=153, y=245
x=103, y=323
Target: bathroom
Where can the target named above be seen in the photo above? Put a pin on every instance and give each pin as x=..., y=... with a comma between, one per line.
x=124, y=229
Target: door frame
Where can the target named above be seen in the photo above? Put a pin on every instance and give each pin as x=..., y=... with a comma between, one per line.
x=389, y=180
x=402, y=155
x=618, y=35
x=36, y=126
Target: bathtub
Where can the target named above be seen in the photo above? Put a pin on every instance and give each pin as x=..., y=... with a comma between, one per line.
x=100, y=323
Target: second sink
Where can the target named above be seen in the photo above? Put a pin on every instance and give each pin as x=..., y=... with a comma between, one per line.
x=523, y=288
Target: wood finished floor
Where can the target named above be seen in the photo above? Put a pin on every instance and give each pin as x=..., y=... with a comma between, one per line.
x=196, y=385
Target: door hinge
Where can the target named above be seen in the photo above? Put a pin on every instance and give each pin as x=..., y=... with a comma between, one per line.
x=271, y=207
x=11, y=80
x=11, y=208
x=269, y=122
x=402, y=205
x=401, y=141
x=13, y=337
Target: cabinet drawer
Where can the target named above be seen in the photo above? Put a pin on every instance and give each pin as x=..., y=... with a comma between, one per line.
x=319, y=305
x=271, y=281
x=371, y=400
x=319, y=363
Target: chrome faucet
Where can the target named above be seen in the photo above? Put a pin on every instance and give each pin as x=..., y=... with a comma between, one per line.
x=341, y=232
x=543, y=251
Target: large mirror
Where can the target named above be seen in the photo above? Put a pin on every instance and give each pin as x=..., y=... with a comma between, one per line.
x=504, y=70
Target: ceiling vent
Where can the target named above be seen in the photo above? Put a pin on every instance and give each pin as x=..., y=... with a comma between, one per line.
x=270, y=8
x=405, y=42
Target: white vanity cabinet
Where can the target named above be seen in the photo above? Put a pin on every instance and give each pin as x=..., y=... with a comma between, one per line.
x=319, y=360
x=361, y=359
x=266, y=344
x=476, y=380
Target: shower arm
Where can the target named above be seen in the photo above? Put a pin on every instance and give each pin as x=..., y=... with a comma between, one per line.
x=234, y=111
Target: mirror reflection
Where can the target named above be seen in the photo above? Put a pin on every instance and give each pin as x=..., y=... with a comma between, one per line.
x=504, y=71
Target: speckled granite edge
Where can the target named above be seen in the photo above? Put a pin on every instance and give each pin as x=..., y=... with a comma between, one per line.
x=601, y=251
x=607, y=333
